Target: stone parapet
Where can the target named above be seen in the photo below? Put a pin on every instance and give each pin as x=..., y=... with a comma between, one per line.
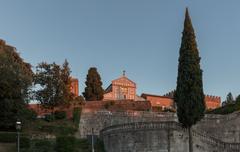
x=202, y=142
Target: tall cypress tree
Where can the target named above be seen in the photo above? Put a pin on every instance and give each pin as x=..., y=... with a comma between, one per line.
x=93, y=90
x=65, y=76
x=189, y=94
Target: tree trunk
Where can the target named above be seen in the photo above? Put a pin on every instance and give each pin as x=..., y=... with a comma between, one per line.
x=190, y=142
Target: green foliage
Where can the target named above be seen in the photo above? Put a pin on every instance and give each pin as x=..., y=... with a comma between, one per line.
x=238, y=100
x=24, y=142
x=76, y=116
x=77, y=101
x=60, y=115
x=71, y=144
x=65, y=77
x=54, y=82
x=83, y=145
x=65, y=144
x=189, y=93
x=99, y=146
x=49, y=117
x=27, y=114
x=40, y=145
x=93, y=90
x=227, y=109
x=15, y=83
x=58, y=130
x=169, y=110
x=229, y=99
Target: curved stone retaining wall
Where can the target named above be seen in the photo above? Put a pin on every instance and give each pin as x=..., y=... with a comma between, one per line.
x=160, y=137
x=102, y=119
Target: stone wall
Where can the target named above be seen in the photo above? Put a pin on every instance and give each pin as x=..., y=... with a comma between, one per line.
x=223, y=127
x=101, y=119
x=216, y=130
x=159, y=137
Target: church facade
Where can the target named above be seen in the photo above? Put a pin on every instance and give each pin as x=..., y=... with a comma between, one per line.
x=121, y=89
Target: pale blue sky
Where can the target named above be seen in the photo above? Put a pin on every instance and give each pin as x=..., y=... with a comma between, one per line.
x=139, y=36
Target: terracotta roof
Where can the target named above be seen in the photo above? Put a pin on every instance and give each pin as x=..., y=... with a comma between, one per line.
x=144, y=95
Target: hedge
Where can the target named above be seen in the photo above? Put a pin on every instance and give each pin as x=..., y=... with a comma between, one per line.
x=49, y=117
x=63, y=130
x=24, y=142
x=43, y=146
x=60, y=115
x=65, y=144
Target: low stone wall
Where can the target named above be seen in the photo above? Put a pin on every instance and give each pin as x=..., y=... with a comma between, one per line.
x=159, y=137
x=102, y=119
x=223, y=127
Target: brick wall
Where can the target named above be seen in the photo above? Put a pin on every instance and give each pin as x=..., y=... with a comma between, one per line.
x=212, y=102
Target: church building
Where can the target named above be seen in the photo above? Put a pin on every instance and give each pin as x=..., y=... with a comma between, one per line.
x=125, y=89
x=121, y=89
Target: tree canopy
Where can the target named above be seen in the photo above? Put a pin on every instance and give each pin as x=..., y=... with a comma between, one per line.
x=15, y=85
x=53, y=83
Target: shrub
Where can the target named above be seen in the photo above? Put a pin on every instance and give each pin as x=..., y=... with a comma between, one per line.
x=24, y=142
x=83, y=145
x=65, y=144
x=28, y=114
x=43, y=146
x=76, y=116
x=60, y=115
x=61, y=130
x=49, y=117
x=168, y=110
x=8, y=137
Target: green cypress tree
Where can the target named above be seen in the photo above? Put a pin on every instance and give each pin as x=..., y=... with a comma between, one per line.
x=189, y=94
x=65, y=76
x=229, y=98
x=93, y=90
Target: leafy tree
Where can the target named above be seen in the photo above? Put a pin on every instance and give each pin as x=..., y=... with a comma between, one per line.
x=48, y=78
x=54, y=83
x=189, y=94
x=15, y=86
x=93, y=90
